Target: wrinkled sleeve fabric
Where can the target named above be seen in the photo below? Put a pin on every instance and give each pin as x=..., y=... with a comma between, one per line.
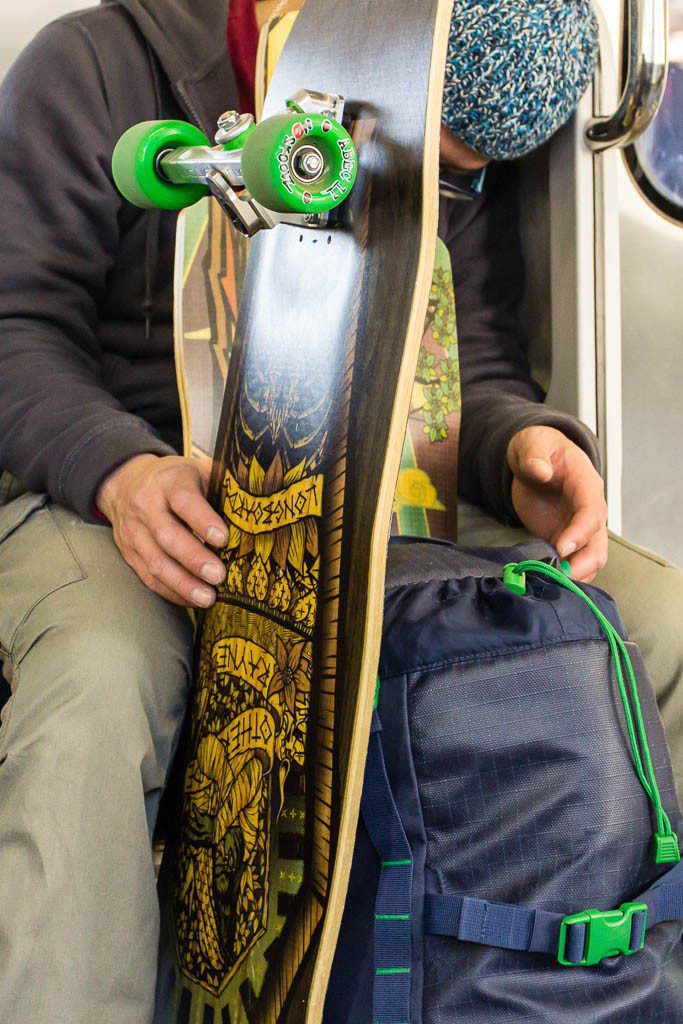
x=499, y=395
x=60, y=430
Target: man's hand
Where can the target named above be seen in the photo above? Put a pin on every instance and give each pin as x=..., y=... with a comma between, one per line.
x=559, y=496
x=156, y=506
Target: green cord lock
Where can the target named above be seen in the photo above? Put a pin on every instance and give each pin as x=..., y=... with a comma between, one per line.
x=513, y=579
x=376, y=701
x=665, y=849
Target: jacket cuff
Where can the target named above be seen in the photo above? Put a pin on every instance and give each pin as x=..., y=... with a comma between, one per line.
x=102, y=450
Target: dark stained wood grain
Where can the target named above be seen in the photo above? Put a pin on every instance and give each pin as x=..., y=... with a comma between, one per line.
x=309, y=443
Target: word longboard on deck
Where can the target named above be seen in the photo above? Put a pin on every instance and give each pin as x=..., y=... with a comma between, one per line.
x=306, y=461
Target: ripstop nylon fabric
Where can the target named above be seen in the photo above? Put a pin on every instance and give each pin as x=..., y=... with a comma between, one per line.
x=507, y=755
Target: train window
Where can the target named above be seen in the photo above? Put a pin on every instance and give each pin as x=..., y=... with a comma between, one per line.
x=656, y=159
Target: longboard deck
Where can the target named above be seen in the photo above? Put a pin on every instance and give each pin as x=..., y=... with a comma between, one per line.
x=309, y=442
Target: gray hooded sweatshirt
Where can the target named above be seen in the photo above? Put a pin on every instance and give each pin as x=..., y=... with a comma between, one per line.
x=87, y=379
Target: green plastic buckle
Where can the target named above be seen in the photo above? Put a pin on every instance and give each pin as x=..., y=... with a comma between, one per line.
x=608, y=933
x=376, y=698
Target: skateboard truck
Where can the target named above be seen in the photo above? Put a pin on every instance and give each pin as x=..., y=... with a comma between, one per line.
x=292, y=168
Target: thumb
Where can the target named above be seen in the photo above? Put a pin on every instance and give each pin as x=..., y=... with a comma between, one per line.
x=530, y=455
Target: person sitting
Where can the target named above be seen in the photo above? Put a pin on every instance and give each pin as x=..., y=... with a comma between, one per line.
x=96, y=631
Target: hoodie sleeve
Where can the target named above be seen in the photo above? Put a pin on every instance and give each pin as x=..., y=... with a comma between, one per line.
x=60, y=430
x=499, y=395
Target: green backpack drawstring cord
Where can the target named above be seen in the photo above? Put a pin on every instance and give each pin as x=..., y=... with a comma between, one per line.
x=665, y=846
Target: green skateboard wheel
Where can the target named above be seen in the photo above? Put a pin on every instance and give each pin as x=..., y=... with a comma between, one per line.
x=299, y=163
x=135, y=165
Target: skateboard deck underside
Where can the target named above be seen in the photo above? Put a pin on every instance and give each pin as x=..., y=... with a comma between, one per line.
x=211, y=259
x=305, y=469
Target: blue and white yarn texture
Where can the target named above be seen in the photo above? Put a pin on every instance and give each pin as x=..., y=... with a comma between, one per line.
x=516, y=70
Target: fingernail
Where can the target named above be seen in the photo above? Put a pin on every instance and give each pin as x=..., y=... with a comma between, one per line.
x=216, y=537
x=542, y=466
x=212, y=573
x=202, y=596
x=567, y=549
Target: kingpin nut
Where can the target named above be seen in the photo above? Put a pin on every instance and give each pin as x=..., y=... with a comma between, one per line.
x=232, y=124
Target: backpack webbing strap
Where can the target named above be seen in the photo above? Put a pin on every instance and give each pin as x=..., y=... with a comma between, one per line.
x=579, y=939
x=393, y=933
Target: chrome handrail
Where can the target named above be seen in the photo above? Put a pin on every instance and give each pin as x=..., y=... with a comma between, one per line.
x=647, y=37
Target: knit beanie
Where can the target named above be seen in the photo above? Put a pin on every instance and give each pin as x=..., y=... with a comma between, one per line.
x=516, y=70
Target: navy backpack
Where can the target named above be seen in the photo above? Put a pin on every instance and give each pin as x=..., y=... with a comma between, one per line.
x=516, y=858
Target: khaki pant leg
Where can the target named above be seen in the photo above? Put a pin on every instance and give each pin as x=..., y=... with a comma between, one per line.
x=98, y=667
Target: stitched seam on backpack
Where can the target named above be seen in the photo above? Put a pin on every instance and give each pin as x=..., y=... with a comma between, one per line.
x=418, y=792
x=486, y=653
